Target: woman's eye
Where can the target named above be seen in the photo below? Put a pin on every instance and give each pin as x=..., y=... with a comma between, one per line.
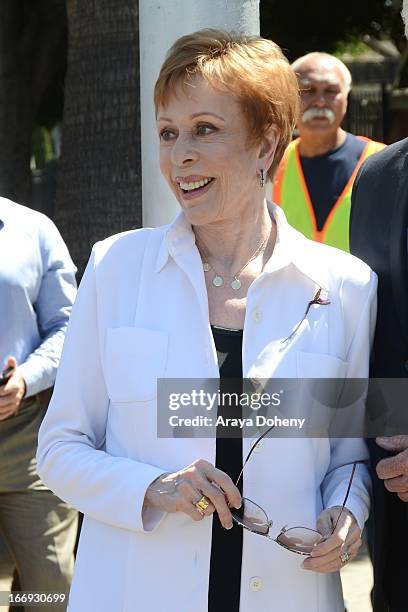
x=203, y=130
x=166, y=134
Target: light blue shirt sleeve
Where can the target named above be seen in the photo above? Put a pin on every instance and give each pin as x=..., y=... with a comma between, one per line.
x=37, y=290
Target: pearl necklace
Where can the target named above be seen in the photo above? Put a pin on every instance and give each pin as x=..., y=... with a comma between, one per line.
x=235, y=284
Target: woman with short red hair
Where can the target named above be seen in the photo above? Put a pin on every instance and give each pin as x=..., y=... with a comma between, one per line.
x=227, y=291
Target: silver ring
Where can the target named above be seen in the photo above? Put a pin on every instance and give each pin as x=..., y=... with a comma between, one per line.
x=344, y=557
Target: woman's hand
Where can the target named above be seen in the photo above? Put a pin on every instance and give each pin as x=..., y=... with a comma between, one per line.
x=346, y=538
x=179, y=491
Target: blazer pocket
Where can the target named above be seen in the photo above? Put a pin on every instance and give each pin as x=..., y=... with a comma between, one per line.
x=317, y=365
x=135, y=358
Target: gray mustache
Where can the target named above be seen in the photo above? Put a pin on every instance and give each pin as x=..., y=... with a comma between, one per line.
x=312, y=113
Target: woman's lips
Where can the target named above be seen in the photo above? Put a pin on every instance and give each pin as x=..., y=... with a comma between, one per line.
x=195, y=193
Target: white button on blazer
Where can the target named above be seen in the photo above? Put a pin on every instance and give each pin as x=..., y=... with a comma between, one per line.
x=142, y=313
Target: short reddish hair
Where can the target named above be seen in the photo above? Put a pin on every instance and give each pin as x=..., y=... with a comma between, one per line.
x=252, y=68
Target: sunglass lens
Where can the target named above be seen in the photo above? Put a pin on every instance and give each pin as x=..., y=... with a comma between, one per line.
x=299, y=539
x=252, y=517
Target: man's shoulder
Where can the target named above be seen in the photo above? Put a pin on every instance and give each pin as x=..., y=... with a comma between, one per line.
x=13, y=210
x=366, y=140
x=391, y=156
x=28, y=222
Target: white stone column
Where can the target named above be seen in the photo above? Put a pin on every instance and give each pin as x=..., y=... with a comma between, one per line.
x=161, y=22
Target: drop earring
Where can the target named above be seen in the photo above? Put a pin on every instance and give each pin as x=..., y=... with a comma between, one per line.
x=262, y=177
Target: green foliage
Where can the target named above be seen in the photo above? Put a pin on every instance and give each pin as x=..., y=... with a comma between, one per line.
x=321, y=25
x=42, y=148
x=353, y=47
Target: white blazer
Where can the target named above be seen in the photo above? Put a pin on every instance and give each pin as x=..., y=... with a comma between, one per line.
x=142, y=313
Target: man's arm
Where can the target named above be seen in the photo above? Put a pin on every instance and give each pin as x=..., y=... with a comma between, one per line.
x=53, y=307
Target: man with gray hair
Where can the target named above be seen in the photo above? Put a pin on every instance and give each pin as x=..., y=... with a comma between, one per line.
x=314, y=180
x=378, y=235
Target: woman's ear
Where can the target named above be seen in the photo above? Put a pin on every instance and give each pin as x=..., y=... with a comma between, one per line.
x=268, y=147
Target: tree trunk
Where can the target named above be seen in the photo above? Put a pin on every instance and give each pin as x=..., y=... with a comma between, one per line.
x=32, y=48
x=99, y=185
x=15, y=109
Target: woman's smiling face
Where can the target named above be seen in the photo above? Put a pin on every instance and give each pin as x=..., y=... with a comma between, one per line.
x=204, y=153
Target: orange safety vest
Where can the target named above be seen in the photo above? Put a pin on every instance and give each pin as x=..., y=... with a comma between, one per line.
x=291, y=193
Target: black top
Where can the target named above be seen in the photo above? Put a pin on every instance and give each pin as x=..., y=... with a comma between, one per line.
x=226, y=546
x=327, y=175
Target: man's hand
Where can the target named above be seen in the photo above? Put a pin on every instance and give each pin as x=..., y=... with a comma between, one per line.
x=394, y=470
x=12, y=392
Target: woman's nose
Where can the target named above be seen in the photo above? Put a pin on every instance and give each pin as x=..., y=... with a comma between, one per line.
x=183, y=152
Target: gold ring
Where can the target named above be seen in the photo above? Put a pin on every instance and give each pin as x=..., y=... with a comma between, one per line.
x=202, y=503
x=344, y=557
